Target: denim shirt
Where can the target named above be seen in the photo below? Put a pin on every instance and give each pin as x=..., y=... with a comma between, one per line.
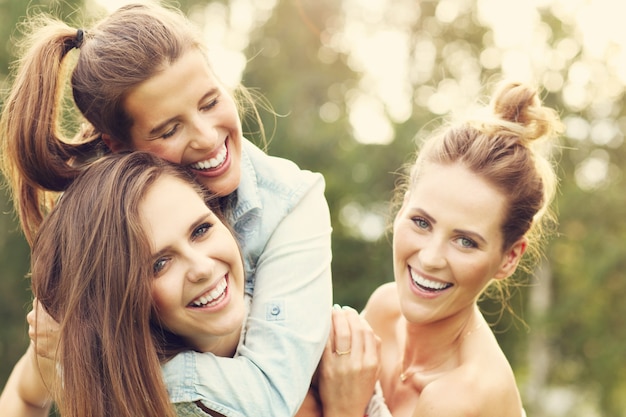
x=283, y=224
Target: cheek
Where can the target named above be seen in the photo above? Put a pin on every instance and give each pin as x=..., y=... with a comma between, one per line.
x=406, y=242
x=402, y=252
x=228, y=250
x=162, y=296
x=166, y=150
x=473, y=272
x=231, y=112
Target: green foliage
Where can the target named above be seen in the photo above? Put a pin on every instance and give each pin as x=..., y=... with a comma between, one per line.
x=292, y=65
x=584, y=322
x=15, y=290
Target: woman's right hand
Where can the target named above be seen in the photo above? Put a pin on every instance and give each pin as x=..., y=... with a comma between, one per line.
x=350, y=365
x=43, y=331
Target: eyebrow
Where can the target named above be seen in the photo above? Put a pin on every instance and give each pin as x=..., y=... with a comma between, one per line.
x=158, y=128
x=432, y=220
x=204, y=217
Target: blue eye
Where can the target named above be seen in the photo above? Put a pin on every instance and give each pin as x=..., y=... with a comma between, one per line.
x=159, y=265
x=421, y=222
x=467, y=242
x=201, y=230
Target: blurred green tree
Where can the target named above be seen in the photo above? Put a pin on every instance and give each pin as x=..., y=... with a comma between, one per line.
x=570, y=311
x=303, y=56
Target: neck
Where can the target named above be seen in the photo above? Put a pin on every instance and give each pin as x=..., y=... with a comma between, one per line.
x=225, y=346
x=428, y=347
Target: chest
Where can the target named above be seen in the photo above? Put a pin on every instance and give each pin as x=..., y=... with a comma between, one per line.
x=402, y=394
x=403, y=397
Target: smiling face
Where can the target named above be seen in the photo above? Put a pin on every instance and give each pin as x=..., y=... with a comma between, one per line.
x=184, y=115
x=198, y=270
x=447, y=243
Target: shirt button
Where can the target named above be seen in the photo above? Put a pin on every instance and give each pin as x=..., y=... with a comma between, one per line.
x=275, y=311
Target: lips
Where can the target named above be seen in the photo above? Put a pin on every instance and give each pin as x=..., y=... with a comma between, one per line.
x=213, y=296
x=426, y=284
x=212, y=163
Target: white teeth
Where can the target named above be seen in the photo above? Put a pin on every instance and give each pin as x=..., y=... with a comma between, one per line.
x=214, y=295
x=428, y=284
x=213, y=162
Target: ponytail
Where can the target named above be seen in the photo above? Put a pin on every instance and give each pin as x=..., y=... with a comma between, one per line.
x=36, y=157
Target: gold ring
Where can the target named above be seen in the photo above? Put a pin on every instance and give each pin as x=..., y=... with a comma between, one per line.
x=343, y=352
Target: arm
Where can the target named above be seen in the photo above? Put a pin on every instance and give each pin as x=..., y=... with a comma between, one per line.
x=287, y=326
x=25, y=393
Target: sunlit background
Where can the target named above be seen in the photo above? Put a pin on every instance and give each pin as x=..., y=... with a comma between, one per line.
x=357, y=82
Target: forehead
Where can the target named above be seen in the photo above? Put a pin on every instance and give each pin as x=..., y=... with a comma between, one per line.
x=179, y=84
x=457, y=195
x=169, y=206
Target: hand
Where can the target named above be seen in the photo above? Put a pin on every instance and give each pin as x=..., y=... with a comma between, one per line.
x=43, y=331
x=350, y=365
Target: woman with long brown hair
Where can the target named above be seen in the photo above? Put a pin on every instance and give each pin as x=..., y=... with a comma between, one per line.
x=141, y=80
x=135, y=267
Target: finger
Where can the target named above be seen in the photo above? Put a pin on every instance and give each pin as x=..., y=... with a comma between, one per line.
x=341, y=332
x=31, y=317
x=32, y=335
x=372, y=347
x=331, y=336
x=329, y=347
x=357, y=333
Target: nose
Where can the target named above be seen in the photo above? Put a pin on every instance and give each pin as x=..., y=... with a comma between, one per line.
x=199, y=266
x=432, y=254
x=204, y=134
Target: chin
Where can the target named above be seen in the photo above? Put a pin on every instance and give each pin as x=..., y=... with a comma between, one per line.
x=222, y=187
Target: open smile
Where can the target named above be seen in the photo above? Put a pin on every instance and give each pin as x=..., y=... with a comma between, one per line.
x=213, y=296
x=212, y=163
x=428, y=284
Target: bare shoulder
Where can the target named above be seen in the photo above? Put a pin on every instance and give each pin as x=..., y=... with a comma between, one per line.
x=480, y=389
x=382, y=306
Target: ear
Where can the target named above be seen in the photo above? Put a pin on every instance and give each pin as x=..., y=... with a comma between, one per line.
x=511, y=259
x=113, y=144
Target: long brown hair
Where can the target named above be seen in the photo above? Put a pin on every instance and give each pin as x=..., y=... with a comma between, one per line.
x=120, y=52
x=91, y=271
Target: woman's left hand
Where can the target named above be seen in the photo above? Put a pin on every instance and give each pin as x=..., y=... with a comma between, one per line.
x=350, y=365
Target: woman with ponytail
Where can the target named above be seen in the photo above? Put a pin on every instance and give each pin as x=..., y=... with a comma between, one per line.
x=141, y=81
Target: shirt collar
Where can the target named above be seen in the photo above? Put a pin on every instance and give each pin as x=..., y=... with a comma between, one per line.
x=247, y=192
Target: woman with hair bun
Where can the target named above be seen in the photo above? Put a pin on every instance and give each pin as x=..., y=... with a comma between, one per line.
x=475, y=201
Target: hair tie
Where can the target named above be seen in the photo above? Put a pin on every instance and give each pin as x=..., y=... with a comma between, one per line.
x=80, y=35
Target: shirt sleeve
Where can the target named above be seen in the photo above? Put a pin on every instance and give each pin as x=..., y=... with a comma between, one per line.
x=286, y=329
